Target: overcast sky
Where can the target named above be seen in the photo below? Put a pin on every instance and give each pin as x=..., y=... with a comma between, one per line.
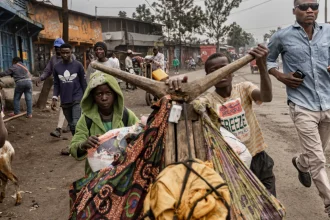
x=254, y=19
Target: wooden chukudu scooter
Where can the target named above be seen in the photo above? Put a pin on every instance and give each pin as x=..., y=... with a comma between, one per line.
x=176, y=149
x=185, y=142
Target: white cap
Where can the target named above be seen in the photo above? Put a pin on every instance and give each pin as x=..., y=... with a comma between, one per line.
x=129, y=51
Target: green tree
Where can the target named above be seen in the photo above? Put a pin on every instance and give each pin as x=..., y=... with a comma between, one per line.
x=270, y=34
x=122, y=14
x=237, y=36
x=143, y=14
x=217, y=12
x=181, y=19
x=252, y=40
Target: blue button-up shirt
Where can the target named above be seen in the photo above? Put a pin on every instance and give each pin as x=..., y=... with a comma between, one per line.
x=309, y=56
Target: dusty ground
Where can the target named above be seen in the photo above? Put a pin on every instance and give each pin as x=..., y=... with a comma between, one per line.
x=45, y=175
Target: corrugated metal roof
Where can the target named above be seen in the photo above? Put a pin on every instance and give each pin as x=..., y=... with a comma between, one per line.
x=9, y=7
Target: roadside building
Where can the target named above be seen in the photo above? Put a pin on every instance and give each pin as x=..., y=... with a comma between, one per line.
x=16, y=33
x=121, y=34
x=84, y=32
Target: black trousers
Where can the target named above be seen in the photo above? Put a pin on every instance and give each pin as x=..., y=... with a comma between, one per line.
x=262, y=166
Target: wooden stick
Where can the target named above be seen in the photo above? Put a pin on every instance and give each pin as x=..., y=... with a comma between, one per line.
x=15, y=116
x=190, y=90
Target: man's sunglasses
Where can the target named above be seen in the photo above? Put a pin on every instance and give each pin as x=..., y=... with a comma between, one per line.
x=305, y=7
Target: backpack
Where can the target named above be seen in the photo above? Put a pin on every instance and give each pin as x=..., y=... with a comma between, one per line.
x=89, y=121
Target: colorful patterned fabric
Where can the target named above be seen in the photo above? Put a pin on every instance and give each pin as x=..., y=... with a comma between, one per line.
x=250, y=199
x=119, y=192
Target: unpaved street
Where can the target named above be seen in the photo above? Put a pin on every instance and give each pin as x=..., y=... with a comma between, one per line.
x=46, y=176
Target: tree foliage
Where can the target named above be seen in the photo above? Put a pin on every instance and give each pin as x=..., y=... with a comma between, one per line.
x=143, y=14
x=181, y=18
x=217, y=12
x=122, y=14
x=237, y=36
x=270, y=34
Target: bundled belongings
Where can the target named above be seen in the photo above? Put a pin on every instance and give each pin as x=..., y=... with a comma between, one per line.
x=118, y=191
x=206, y=195
x=249, y=198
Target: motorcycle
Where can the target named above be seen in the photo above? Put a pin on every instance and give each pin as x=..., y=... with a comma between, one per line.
x=191, y=67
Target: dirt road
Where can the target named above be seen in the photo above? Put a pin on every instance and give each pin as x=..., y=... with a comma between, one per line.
x=46, y=176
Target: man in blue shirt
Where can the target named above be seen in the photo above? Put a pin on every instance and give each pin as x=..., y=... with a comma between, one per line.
x=304, y=47
x=70, y=85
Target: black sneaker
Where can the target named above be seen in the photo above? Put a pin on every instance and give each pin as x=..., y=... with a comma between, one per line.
x=56, y=133
x=304, y=177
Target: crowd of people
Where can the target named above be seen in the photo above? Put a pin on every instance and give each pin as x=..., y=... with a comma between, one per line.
x=93, y=102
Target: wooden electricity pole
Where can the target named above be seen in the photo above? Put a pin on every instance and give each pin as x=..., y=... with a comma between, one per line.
x=326, y=11
x=65, y=16
x=43, y=97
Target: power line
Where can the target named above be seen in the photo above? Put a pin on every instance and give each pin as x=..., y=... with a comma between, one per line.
x=254, y=6
x=150, y=5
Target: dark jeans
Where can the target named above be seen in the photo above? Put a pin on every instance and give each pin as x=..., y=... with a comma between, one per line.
x=23, y=86
x=262, y=166
x=72, y=114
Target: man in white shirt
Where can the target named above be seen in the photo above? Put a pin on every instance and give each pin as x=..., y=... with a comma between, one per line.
x=158, y=60
x=114, y=61
x=129, y=64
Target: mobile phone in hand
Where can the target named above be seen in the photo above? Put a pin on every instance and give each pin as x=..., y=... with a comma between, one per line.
x=299, y=74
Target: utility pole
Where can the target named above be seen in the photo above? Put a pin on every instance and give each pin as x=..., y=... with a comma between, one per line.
x=95, y=12
x=326, y=11
x=65, y=17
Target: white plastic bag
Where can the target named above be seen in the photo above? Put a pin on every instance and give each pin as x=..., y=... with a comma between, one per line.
x=112, y=146
x=237, y=146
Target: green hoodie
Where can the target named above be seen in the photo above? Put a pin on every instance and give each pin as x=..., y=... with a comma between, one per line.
x=90, y=109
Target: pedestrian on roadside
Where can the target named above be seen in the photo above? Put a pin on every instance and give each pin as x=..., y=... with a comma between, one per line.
x=233, y=104
x=114, y=61
x=48, y=71
x=166, y=69
x=304, y=47
x=158, y=59
x=100, y=49
x=69, y=85
x=129, y=64
x=103, y=110
x=176, y=64
x=22, y=78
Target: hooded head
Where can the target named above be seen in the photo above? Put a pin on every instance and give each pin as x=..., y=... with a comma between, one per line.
x=91, y=104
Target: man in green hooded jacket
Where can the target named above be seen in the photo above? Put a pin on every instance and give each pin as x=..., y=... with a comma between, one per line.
x=102, y=110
